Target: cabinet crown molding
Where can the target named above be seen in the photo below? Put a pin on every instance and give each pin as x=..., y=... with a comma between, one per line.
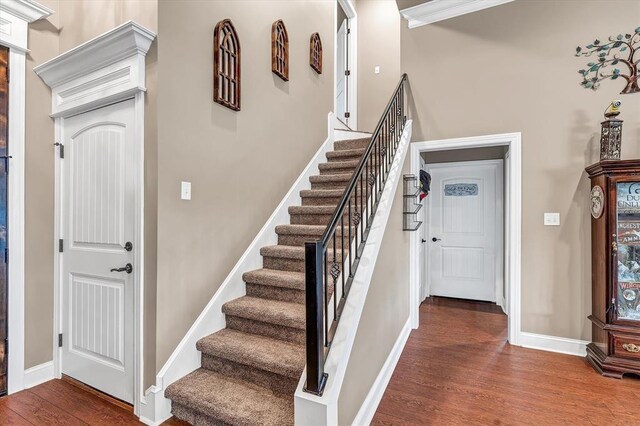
x=27, y=10
x=127, y=40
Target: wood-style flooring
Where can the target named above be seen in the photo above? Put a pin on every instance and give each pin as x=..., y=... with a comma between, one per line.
x=60, y=402
x=458, y=369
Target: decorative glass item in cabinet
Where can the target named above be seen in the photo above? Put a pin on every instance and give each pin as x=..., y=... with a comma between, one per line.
x=627, y=245
x=411, y=204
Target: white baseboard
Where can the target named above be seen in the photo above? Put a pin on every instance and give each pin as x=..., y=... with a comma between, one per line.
x=371, y=402
x=39, y=374
x=553, y=344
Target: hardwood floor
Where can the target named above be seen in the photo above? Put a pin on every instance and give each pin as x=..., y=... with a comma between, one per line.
x=458, y=369
x=59, y=402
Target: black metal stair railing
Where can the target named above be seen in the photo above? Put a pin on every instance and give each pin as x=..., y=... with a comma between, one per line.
x=331, y=262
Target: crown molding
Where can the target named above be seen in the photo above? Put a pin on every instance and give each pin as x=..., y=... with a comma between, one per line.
x=27, y=10
x=127, y=40
x=439, y=10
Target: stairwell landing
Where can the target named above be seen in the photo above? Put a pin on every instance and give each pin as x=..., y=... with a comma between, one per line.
x=250, y=369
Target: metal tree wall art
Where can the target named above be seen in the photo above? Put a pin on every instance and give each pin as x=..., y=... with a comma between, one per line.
x=612, y=60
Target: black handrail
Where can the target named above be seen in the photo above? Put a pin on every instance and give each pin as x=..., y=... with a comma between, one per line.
x=357, y=207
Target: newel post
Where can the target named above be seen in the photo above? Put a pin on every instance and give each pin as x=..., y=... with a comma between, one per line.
x=316, y=377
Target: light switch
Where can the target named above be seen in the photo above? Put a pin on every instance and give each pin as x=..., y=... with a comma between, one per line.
x=376, y=69
x=552, y=219
x=185, y=192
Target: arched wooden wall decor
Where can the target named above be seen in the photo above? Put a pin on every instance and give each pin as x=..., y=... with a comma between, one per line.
x=315, y=53
x=280, y=50
x=226, y=65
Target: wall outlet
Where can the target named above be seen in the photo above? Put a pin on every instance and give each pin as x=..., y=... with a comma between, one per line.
x=376, y=69
x=552, y=219
x=185, y=191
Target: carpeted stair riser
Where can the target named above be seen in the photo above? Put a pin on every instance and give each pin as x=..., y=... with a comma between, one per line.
x=275, y=293
x=337, y=167
x=287, y=264
x=275, y=331
x=277, y=383
x=192, y=417
x=345, y=155
x=313, y=215
x=332, y=181
x=299, y=240
x=351, y=144
x=323, y=197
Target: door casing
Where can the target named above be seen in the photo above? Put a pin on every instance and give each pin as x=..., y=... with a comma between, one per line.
x=352, y=87
x=513, y=223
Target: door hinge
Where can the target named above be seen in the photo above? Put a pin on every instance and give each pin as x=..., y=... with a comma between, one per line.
x=60, y=245
x=6, y=255
x=60, y=340
x=347, y=73
x=347, y=115
x=348, y=30
x=61, y=146
x=8, y=74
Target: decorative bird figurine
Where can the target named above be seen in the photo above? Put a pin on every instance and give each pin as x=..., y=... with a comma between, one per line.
x=613, y=110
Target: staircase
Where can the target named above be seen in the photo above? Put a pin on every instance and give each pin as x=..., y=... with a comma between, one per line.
x=250, y=370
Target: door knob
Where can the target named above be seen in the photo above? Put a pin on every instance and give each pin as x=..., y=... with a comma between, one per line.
x=434, y=239
x=128, y=246
x=128, y=268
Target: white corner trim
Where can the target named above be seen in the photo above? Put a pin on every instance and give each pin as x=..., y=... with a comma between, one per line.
x=155, y=408
x=15, y=16
x=512, y=221
x=323, y=410
x=27, y=10
x=373, y=398
x=560, y=345
x=439, y=10
x=38, y=374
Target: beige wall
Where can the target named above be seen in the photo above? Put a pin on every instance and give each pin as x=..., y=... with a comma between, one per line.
x=386, y=311
x=240, y=163
x=511, y=69
x=73, y=23
x=378, y=45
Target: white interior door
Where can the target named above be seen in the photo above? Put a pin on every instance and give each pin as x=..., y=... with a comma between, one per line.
x=464, y=230
x=98, y=196
x=341, y=68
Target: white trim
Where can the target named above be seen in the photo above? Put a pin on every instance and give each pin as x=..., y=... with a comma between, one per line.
x=185, y=358
x=439, y=10
x=38, y=374
x=373, y=398
x=323, y=410
x=425, y=290
x=352, y=87
x=513, y=221
x=15, y=15
x=560, y=345
x=107, y=69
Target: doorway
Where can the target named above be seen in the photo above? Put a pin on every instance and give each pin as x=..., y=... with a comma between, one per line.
x=4, y=173
x=511, y=143
x=463, y=232
x=98, y=188
x=345, y=64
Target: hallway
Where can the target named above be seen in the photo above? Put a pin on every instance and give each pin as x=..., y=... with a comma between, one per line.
x=458, y=369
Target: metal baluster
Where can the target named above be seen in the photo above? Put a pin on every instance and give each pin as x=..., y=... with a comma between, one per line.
x=334, y=275
x=342, y=251
x=326, y=299
x=349, y=241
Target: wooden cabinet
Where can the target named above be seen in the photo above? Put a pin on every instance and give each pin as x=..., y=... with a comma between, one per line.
x=615, y=267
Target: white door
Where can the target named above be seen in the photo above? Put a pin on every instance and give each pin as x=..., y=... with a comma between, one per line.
x=341, y=69
x=98, y=196
x=464, y=229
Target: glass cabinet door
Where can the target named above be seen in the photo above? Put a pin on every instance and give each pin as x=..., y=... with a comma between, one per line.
x=627, y=287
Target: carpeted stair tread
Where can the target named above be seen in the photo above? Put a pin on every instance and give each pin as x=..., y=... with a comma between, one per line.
x=264, y=353
x=315, y=230
x=328, y=194
x=344, y=154
x=268, y=311
x=275, y=278
x=288, y=252
x=312, y=210
x=221, y=399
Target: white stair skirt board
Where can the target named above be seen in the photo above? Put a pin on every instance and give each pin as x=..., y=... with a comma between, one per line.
x=311, y=409
x=371, y=402
x=155, y=408
x=560, y=345
x=39, y=374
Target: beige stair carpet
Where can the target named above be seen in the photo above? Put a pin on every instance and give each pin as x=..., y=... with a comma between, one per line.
x=250, y=370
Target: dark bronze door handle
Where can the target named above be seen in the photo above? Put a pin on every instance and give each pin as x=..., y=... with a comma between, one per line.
x=128, y=268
